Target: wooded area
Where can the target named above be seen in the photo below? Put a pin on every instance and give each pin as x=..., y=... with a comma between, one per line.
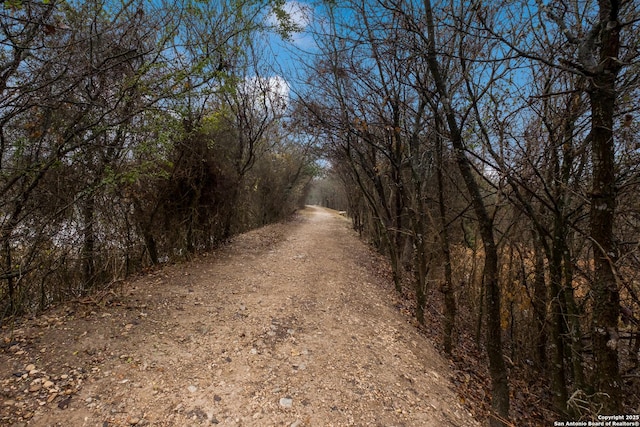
x=490, y=149
x=131, y=134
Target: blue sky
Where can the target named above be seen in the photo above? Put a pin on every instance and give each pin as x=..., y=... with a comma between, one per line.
x=286, y=56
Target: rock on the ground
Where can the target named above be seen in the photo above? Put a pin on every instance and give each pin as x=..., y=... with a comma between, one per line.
x=286, y=402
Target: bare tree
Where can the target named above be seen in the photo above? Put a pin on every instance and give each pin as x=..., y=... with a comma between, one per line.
x=589, y=45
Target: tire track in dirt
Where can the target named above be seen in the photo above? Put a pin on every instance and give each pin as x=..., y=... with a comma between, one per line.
x=287, y=326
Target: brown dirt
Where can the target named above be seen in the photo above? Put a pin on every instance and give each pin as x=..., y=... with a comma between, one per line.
x=286, y=326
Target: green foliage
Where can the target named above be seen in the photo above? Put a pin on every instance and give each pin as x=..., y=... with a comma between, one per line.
x=217, y=121
x=129, y=139
x=13, y=4
x=286, y=25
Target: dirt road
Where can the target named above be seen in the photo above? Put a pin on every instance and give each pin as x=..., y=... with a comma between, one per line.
x=287, y=326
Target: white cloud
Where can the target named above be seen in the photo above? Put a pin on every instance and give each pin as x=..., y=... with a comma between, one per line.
x=269, y=94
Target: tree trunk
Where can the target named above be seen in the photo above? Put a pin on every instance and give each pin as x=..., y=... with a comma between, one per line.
x=421, y=271
x=497, y=367
x=9, y=273
x=395, y=262
x=189, y=245
x=88, y=247
x=540, y=303
x=152, y=247
x=606, y=298
x=231, y=213
x=447, y=284
x=573, y=317
x=481, y=305
x=557, y=324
